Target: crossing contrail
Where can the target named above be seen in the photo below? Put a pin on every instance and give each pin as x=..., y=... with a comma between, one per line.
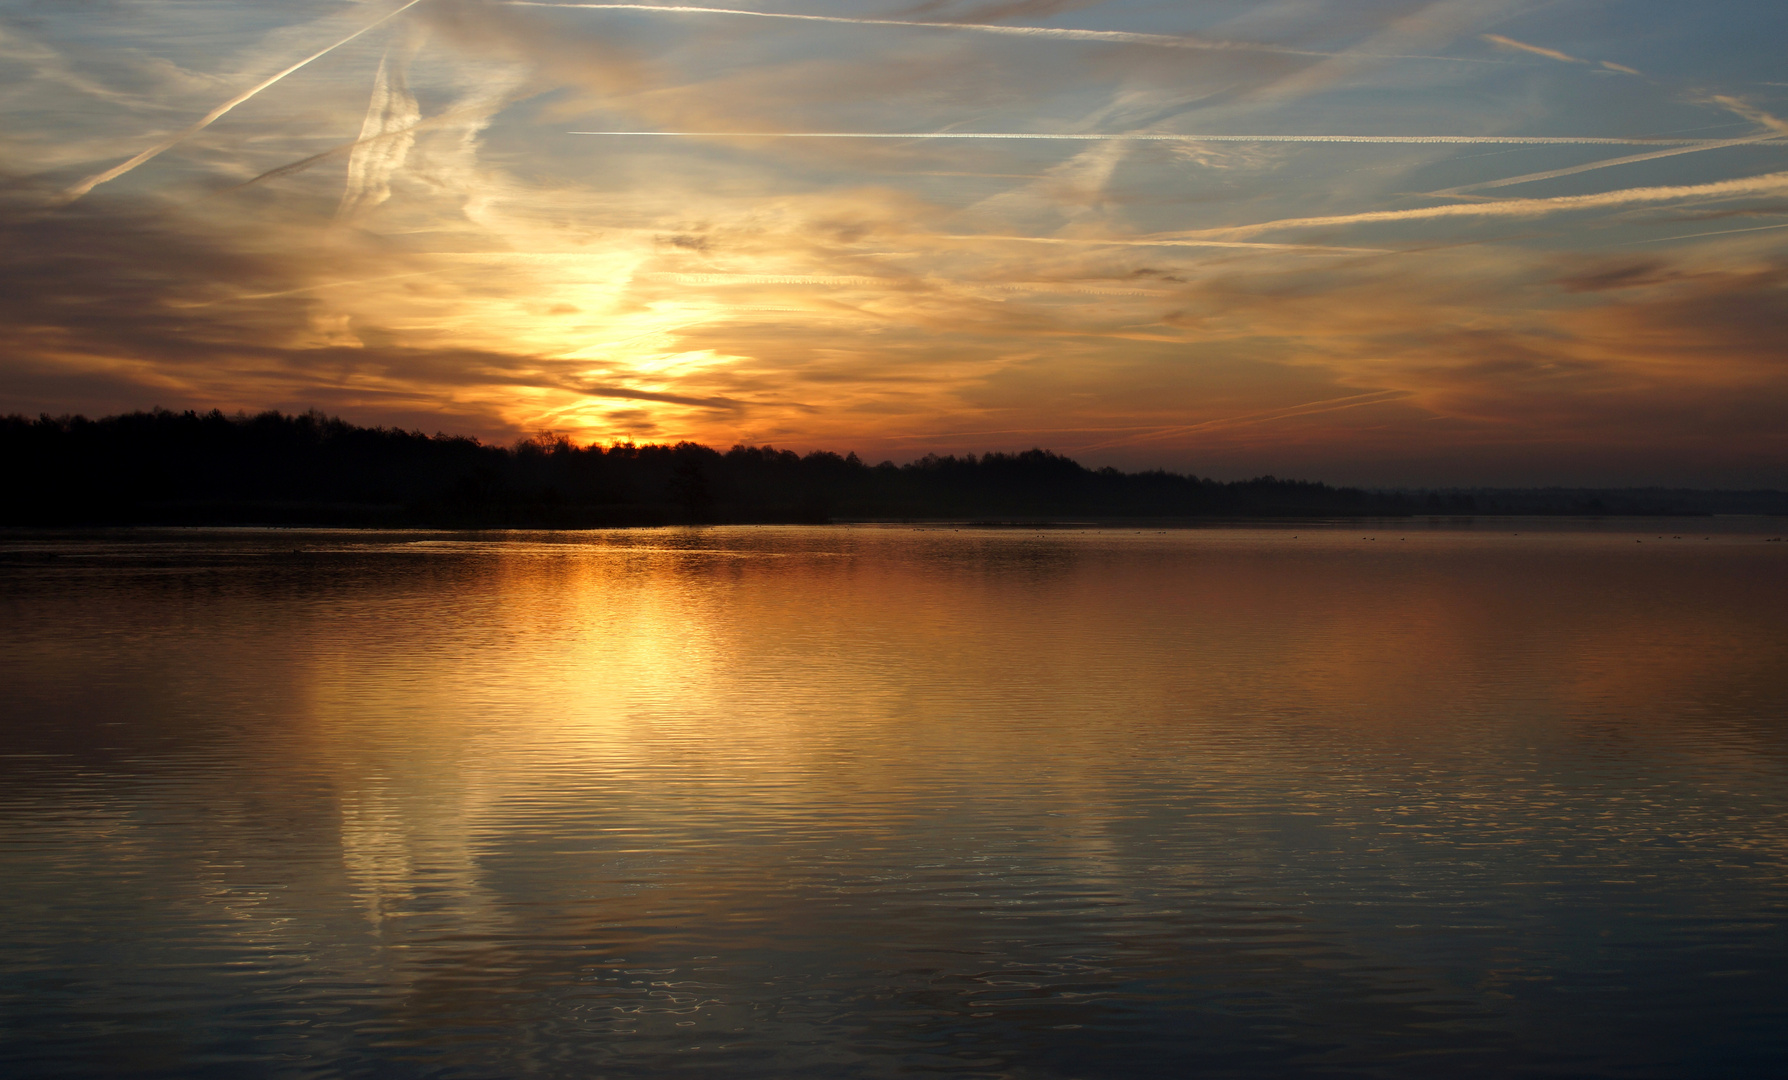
x=113, y=173
x=439, y=119
x=1117, y=37
x=1392, y=140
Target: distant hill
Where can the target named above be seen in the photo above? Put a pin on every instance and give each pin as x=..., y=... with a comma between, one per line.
x=192, y=468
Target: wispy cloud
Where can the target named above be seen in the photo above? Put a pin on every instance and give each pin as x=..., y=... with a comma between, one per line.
x=447, y=117
x=1741, y=107
x=386, y=136
x=627, y=394
x=46, y=64
x=83, y=187
x=1430, y=26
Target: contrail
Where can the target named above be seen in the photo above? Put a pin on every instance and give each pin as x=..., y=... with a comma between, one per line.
x=1537, y=50
x=1121, y=37
x=1554, y=54
x=1609, y=163
x=1778, y=129
x=336, y=151
x=205, y=121
x=1246, y=245
x=1766, y=184
x=1716, y=232
x=1397, y=140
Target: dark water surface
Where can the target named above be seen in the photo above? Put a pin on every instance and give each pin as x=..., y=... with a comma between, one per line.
x=853, y=802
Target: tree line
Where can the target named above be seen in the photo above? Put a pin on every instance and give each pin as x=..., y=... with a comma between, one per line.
x=192, y=468
x=163, y=467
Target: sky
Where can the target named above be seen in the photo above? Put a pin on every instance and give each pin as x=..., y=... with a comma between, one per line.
x=1385, y=242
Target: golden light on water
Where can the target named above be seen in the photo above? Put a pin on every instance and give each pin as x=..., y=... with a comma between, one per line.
x=803, y=796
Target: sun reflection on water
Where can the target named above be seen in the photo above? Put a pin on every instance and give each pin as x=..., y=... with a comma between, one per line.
x=782, y=798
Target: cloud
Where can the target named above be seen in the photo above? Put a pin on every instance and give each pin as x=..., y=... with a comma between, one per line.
x=386, y=136
x=83, y=187
x=1209, y=155
x=1275, y=368
x=46, y=64
x=467, y=113
x=1751, y=112
x=1609, y=353
x=559, y=56
x=727, y=404
x=1617, y=275
x=1076, y=188
x=140, y=303
x=1707, y=322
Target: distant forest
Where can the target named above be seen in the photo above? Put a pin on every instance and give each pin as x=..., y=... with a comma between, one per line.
x=192, y=468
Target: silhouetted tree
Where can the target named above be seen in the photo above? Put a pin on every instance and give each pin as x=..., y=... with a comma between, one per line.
x=689, y=482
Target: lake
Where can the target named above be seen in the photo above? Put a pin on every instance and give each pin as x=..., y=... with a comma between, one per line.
x=1382, y=799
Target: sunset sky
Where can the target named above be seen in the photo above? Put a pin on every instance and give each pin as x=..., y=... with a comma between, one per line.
x=1363, y=241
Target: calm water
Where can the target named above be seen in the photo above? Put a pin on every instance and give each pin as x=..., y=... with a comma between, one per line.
x=864, y=802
